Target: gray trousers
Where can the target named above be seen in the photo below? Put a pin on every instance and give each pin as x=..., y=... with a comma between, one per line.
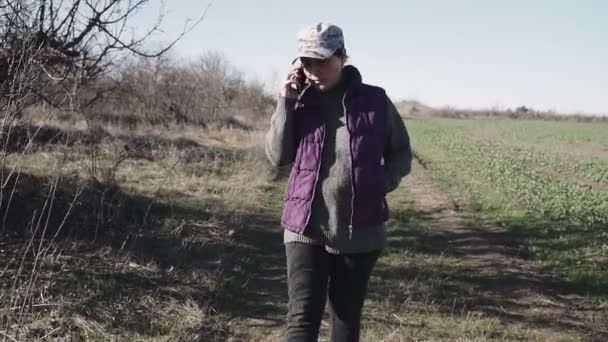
x=313, y=276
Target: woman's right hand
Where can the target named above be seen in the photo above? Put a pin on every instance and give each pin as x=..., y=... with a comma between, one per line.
x=291, y=85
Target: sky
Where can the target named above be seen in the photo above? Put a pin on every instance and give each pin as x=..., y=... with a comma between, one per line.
x=547, y=55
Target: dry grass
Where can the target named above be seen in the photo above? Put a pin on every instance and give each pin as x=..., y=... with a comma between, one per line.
x=149, y=251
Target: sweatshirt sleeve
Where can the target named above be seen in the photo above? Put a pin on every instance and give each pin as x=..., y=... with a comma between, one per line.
x=279, y=143
x=397, y=149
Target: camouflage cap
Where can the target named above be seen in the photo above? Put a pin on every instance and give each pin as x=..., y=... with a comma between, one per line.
x=320, y=40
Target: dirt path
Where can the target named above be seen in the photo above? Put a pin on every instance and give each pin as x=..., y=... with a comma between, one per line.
x=492, y=278
x=445, y=276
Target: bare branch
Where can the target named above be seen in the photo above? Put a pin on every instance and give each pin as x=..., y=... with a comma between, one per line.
x=50, y=47
x=41, y=18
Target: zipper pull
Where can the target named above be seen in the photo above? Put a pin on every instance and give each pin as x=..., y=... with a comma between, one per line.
x=350, y=231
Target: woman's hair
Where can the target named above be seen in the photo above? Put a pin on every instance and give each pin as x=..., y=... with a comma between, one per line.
x=341, y=52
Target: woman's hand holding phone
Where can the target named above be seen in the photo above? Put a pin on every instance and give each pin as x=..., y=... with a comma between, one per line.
x=292, y=86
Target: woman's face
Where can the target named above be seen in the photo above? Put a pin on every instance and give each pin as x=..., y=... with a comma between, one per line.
x=323, y=74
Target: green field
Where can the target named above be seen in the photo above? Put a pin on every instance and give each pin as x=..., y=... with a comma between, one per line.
x=547, y=182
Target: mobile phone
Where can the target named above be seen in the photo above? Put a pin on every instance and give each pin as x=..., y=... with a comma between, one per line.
x=301, y=83
x=301, y=79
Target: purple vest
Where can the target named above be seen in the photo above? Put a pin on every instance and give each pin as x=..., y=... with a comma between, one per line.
x=365, y=111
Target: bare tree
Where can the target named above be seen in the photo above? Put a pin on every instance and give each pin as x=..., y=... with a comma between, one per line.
x=49, y=48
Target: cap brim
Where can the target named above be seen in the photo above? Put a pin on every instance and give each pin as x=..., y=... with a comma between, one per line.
x=318, y=53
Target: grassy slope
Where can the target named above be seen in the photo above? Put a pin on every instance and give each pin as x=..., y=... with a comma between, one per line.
x=193, y=253
x=157, y=248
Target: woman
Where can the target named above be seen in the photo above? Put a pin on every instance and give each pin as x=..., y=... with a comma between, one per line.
x=348, y=147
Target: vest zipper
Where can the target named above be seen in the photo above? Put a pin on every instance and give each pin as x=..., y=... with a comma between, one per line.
x=352, y=178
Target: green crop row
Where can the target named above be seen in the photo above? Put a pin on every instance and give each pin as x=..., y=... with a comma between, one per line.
x=539, y=196
x=524, y=176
